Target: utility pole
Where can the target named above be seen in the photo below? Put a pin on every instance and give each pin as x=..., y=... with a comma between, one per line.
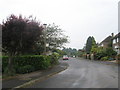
x=44, y=32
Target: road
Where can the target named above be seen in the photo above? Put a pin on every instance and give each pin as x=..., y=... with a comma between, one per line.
x=83, y=74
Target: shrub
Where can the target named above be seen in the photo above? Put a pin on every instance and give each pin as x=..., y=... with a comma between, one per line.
x=22, y=64
x=105, y=58
x=25, y=69
x=6, y=71
x=54, y=58
x=105, y=52
x=110, y=52
x=4, y=63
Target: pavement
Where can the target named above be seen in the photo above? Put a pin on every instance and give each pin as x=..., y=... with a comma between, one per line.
x=83, y=73
x=23, y=80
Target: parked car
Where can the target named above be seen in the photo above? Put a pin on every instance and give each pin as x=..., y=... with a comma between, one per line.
x=65, y=57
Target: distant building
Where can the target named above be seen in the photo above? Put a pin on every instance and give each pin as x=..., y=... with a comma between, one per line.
x=116, y=43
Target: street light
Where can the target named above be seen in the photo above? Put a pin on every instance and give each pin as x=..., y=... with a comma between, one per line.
x=44, y=33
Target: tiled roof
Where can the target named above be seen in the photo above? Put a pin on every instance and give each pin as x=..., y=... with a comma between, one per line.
x=117, y=35
x=108, y=39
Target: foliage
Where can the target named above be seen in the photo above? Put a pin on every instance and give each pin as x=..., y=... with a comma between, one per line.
x=19, y=35
x=110, y=52
x=94, y=45
x=81, y=52
x=70, y=51
x=25, y=69
x=105, y=58
x=54, y=58
x=101, y=52
x=89, y=45
x=60, y=52
x=118, y=57
x=55, y=37
x=36, y=62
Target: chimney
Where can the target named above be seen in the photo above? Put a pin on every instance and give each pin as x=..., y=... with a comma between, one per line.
x=112, y=34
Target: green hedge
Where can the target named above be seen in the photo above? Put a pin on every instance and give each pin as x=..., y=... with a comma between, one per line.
x=54, y=58
x=25, y=64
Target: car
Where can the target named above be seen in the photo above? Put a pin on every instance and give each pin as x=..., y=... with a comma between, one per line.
x=65, y=57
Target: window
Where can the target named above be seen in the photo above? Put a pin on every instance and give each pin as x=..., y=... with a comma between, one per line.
x=114, y=41
x=117, y=39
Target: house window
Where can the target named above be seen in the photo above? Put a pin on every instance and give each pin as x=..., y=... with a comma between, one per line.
x=117, y=40
x=114, y=41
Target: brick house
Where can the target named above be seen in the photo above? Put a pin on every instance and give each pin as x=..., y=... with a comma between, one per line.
x=105, y=43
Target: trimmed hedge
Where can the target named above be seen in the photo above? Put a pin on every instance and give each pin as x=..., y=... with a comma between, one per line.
x=25, y=64
x=25, y=69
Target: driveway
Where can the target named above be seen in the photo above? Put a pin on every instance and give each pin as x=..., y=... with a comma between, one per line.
x=83, y=73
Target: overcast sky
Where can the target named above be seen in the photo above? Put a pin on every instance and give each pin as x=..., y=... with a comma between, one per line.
x=78, y=18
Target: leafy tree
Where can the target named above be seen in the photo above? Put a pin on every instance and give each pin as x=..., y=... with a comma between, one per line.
x=55, y=37
x=19, y=36
x=70, y=51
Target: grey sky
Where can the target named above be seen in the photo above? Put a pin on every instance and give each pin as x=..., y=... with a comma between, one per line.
x=78, y=18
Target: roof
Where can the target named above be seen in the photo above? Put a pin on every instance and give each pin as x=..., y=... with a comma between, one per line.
x=108, y=39
x=117, y=35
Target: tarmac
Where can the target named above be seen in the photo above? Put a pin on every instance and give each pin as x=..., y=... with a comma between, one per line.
x=23, y=80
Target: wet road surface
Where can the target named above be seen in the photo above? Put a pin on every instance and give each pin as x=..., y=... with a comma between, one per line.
x=83, y=74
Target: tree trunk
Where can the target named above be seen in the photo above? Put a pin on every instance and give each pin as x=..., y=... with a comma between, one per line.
x=10, y=65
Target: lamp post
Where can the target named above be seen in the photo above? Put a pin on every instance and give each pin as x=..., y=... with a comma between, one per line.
x=44, y=38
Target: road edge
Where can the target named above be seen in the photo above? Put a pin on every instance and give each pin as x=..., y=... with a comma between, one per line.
x=40, y=79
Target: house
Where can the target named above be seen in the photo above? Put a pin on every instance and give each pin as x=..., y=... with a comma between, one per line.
x=105, y=43
x=116, y=43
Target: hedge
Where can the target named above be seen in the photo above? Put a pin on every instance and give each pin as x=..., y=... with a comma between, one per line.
x=25, y=64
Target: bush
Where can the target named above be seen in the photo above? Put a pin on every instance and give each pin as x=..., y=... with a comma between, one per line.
x=4, y=63
x=54, y=58
x=25, y=69
x=105, y=58
x=105, y=52
x=110, y=52
x=23, y=63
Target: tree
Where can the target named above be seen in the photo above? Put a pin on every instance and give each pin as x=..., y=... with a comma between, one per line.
x=89, y=45
x=19, y=36
x=94, y=45
x=55, y=37
x=70, y=51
